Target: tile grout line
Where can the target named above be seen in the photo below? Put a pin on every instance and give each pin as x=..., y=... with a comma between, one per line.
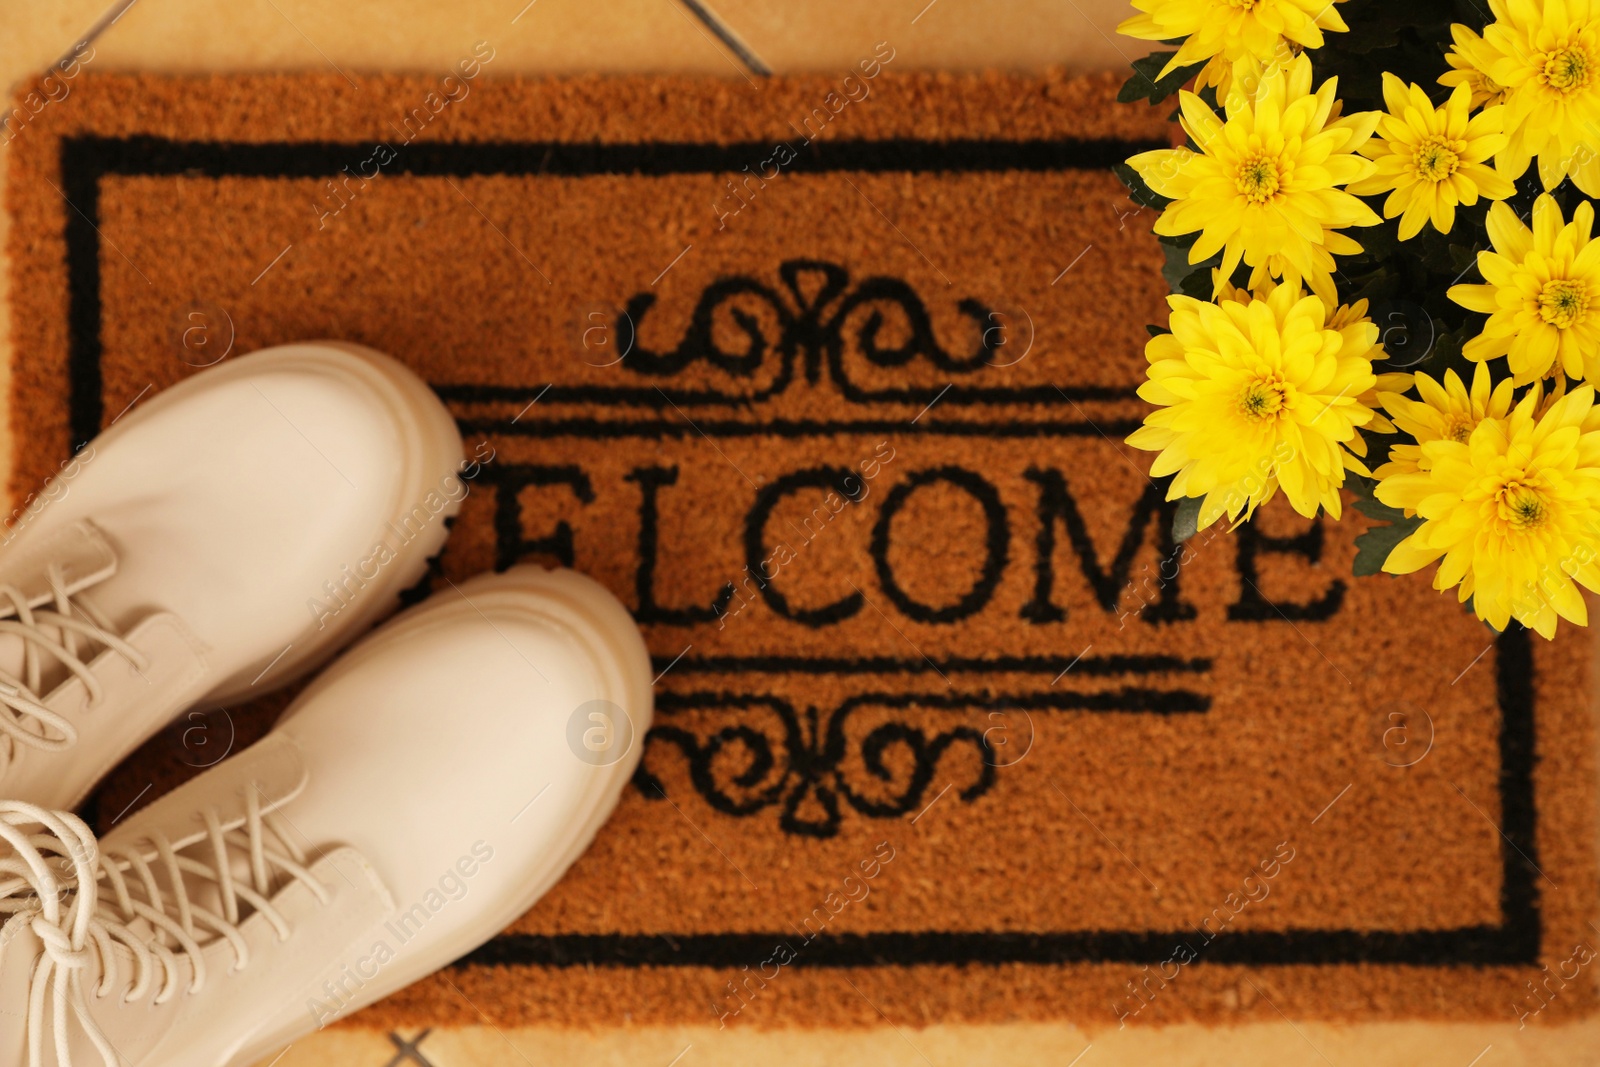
x=725, y=33
x=408, y=1050
x=101, y=25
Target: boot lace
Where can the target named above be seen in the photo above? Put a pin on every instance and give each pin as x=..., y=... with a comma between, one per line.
x=84, y=902
x=70, y=632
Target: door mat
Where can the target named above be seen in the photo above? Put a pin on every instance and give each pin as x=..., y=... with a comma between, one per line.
x=827, y=379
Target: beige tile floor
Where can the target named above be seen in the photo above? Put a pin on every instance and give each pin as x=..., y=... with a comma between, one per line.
x=735, y=39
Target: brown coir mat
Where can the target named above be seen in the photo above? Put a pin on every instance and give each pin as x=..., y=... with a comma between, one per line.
x=827, y=380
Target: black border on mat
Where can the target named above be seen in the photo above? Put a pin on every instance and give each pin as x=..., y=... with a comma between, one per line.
x=1516, y=940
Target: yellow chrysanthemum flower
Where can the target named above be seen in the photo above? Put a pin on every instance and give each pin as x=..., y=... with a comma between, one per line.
x=1444, y=412
x=1320, y=280
x=1432, y=158
x=1546, y=53
x=1341, y=317
x=1264, y=186
x=1223, y=31
x=1467, y=60
x=1510, y=514
x=1254, y=396
x=1388, y=382
x=1542, y=296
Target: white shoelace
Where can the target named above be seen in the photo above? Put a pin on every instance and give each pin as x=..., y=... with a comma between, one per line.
x=70, y=633
x=55, y=881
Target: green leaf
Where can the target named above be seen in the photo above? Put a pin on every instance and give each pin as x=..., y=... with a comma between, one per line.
x=1197, y=283
x=1147, y=83
x=1374, y=546
x=1377, y=509
x=1177, y=266
x=1138, y=191
x=1461, y=258
x=1186, y=519
x=1360, y=485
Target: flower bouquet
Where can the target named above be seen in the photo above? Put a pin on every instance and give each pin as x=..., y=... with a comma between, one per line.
x=1379, y=238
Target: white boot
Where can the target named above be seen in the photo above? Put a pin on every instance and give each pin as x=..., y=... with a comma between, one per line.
x=416, y=799
x=219, y=540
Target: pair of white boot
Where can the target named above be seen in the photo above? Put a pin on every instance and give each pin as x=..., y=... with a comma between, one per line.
x=218, y=541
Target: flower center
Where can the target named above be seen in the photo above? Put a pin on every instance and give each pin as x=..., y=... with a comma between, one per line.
x=1243, y=5
x=1263, y=398
x=1435, y=159
x=1458, y=428
x=1257, y=178
x=1563, y=303
x=1566, y=69
x=1522, y=506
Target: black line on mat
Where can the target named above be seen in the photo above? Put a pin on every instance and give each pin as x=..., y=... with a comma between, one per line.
x=1051, y=665
x=85, y=160
x=1518, y=939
